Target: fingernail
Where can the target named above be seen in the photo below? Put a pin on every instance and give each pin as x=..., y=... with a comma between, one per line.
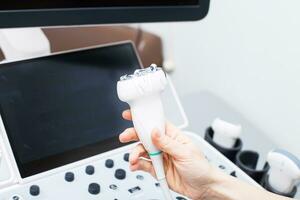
x=131, y=160
x=124, y=132
x=120, y=137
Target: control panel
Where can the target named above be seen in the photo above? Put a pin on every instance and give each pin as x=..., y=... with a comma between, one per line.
x=107, y=176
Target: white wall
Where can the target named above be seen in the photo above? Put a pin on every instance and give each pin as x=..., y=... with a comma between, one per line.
x=248, y=53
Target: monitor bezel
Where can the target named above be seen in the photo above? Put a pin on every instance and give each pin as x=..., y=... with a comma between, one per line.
x=104, y=15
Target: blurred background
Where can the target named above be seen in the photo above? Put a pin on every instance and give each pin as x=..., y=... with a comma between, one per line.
x=246, y=54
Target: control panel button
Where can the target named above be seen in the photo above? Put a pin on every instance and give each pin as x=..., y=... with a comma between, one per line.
x=222, y=167
x=69, y=176
x=139, y=177
x=126, y=157
x=94, y=188
x=109, y=163
x=120, y=174
x=34, y=190
x=180, y=198
x=113, y=187
x=233, y=173
x=134, y=189
x=16, y=197
x=90, y=170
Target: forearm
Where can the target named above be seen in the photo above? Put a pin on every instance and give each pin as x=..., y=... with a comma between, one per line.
x=226, y=187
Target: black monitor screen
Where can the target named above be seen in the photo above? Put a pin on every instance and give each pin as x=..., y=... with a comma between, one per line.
x=41, y=13
x=47, y=4
x=63, y=108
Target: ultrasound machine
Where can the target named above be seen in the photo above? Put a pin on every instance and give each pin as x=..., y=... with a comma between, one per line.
x=60, y=116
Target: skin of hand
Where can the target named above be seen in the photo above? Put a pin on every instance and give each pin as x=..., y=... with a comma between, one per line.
x=187, y=170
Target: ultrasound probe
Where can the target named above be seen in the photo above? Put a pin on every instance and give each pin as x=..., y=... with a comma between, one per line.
x=141, y=91
x=225, y=133
x=284, y=173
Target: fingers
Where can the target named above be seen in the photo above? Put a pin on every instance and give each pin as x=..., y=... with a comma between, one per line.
x=127, y=115
x=167, y=144
x=129, y=135
x=137, y=152
x=137, y=160
x=143, y=165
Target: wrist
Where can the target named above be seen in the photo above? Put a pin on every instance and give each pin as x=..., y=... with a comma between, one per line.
x=226, y=187
x=220, y=187
x=213, y=186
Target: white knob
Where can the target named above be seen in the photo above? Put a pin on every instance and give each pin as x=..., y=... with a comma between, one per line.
x=284, y=170
x=225, y=133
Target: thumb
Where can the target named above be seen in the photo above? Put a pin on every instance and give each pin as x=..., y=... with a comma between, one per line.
x=165, y=143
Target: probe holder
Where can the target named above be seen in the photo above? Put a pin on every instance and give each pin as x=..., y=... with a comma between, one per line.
x=268, y=187
x=247, y=161
x=230, y=153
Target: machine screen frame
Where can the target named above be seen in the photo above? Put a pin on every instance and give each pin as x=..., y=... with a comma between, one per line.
x=56, y=161
x=85, y=15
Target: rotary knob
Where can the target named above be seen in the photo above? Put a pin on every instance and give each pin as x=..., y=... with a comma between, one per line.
x=120, y=174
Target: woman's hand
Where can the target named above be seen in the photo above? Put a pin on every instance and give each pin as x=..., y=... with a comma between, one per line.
x=187, y=170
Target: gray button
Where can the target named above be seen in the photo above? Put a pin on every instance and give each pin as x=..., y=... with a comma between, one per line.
x=109, y=163
x=90, y=170
x=120, y=174
x=69, y=176
x=113, y=186
x=139, y=177
x=34, y=190
x=126, y=157
x=94, y=188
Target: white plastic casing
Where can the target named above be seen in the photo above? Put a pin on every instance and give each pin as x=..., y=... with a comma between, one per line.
x=284, y=170
x=225, y=134
x=142, y=93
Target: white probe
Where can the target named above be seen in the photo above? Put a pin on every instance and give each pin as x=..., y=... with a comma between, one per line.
x=284, y=170
x=141, y=91
x=225, y=133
